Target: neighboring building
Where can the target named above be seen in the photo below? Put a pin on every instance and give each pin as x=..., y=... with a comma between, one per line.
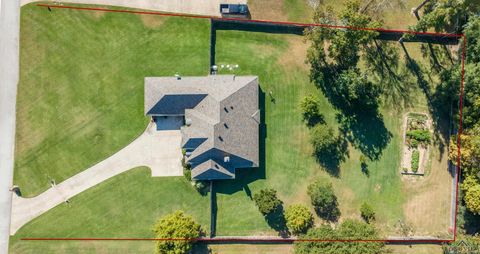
x=221, y=120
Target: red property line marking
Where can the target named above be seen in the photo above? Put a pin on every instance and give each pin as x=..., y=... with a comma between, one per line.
x=246, y=20
x=223, y=239
x=233, y=239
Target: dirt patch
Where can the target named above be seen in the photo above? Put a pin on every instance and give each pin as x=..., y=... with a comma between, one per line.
x=267, y=10
x=429, y=199
x=98, y=14
x=152, y=21
x=296, y=54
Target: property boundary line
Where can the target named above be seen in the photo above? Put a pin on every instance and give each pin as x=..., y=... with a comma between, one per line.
x=288, y=240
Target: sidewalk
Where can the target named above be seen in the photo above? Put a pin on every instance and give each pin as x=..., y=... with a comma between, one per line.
x=9, y=74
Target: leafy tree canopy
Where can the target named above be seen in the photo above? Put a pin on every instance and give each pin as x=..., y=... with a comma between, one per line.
x=176, y=225
x=472, y=199
x=324, y=200
x=349, y=229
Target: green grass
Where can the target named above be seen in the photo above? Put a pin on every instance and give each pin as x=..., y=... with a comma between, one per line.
x=298, y=10
x=80, y=96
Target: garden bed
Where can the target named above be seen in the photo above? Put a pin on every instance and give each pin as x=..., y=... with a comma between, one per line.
x=416, y=142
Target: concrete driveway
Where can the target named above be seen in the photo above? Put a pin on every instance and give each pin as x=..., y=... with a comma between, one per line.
x=198, y=7
x=158, y=150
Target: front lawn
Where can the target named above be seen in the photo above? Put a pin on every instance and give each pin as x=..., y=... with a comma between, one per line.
x=80, y=96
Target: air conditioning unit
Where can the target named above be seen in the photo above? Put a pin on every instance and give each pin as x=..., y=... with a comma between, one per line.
x=226, y=159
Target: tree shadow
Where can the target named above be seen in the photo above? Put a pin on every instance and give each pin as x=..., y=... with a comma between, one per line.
x=439, y=103
x=362, y=126
x=364, y=168
x=314, y=120
x=276, y=220
x=366, y=131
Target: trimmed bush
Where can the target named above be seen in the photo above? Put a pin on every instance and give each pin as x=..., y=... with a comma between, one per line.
x=299, y=219
x=267, y=201
x=311, y=110
x=415, y=160
x=367, y=212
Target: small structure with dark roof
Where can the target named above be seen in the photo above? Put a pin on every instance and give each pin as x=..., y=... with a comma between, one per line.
x=221, y=116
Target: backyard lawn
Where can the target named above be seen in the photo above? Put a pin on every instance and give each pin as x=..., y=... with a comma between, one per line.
x=74, y=111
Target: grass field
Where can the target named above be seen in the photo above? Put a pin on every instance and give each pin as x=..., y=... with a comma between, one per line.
x=128, y=205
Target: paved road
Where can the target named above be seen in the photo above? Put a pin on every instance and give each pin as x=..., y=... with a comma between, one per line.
x=158, y=150
x=9, y=71
x=199, y=7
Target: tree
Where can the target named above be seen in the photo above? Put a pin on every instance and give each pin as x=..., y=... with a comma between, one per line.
x=367, y=212
x=267, y=201
x=472, y=199
x=357, y=91
x=324, y=200
x=299, y=218
x=176, y=225
x=311, y=110
x=470, y=151
x=349, y=229
x=323, y=139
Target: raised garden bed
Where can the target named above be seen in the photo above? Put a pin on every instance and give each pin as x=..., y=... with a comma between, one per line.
x=416, y=141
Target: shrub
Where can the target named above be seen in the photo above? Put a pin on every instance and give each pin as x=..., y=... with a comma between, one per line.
x=324, y=200
x=367, y=212
x=299, y=219
x=415, y=160
x=311, y=110
x=421, y=136
x=176, y=225
x=322, y=139
x=267, y=201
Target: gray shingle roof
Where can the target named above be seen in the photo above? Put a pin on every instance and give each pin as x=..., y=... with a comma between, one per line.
x=222, y=110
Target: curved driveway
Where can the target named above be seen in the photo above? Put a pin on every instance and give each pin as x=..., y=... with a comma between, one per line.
x=158, y=150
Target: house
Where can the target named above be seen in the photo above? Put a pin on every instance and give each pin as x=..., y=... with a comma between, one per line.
x=220, y=116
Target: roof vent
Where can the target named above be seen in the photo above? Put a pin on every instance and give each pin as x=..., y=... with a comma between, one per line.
x=188, y=121
x=220, y=137
x=226, y=159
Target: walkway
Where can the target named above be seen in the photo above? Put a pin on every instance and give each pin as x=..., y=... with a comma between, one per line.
x=9, y=71
x=158, y=150
x=198, y=7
